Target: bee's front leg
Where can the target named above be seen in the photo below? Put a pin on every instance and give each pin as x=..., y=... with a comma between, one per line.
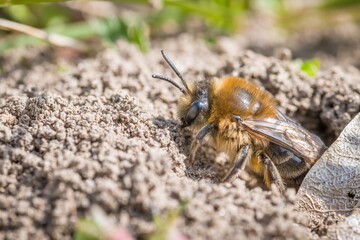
x=200, y=136
x=271, y=173
x=241, y=158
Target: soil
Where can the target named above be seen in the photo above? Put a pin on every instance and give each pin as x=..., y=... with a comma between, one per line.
x=101, y=132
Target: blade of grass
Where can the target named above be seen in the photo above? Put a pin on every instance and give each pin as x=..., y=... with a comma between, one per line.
x=5, y=3
x=52, y=38
x=81, y=30
x=335, y=4
x=112, y=29
x=221, y=14
x=12, y=42
x=194, y=7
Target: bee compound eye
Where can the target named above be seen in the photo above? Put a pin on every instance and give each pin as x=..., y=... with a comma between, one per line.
x=193, y=112
x=191, y=115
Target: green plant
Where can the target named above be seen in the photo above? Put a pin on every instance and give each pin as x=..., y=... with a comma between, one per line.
x=113, y=29
x=309, y=67
x=215, y=17
x=165, y=225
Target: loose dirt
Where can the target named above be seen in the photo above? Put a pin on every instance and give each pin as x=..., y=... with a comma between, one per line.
x=102, y=132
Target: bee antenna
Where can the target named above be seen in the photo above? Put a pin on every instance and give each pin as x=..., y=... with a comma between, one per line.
x=171, y=64
x=170, y=81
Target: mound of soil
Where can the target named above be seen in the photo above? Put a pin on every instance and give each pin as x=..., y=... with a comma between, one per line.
x=102, y=132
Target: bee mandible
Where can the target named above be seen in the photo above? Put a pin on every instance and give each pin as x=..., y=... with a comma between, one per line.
x=243, y=119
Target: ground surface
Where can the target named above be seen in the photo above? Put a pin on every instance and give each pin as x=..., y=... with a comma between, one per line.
x=102, y=132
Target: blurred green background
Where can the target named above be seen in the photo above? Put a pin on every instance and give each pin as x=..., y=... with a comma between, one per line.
x=141, y=21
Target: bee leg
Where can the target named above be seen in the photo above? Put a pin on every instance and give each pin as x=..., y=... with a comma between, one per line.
x=272, y=175
x=240, y=159
x=200, y=136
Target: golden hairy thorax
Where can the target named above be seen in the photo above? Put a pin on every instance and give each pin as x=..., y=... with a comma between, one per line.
x=235, y=96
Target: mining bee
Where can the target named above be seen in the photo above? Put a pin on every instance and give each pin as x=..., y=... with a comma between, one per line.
x=243, y=120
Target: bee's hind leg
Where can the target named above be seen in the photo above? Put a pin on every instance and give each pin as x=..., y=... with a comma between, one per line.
x=241, y=158
x=271, y=174
x=200, y=136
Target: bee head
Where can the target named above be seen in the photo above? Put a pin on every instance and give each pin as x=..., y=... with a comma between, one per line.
x=193, y=105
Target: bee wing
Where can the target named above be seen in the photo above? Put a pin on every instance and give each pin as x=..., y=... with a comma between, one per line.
x=285, y=118
x=288, y=134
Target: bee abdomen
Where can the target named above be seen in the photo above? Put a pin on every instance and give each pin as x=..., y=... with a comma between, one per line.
x=293, y=168
x=289, y=165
